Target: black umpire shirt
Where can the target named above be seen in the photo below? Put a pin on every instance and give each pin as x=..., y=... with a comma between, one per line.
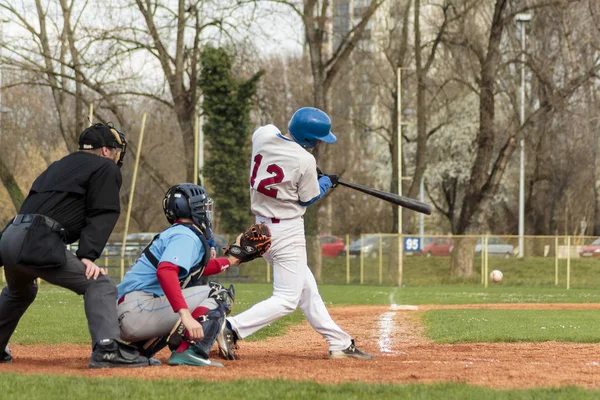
x=81, y=192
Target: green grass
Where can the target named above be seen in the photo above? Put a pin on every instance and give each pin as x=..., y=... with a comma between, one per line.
x=483, y=325
x=17, y=387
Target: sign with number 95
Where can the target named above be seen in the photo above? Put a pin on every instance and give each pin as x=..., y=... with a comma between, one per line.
x=412, y=244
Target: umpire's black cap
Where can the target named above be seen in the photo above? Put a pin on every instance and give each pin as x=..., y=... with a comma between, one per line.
x=101, y=135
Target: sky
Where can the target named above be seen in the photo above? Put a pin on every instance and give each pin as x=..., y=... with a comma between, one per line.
x=279, y=30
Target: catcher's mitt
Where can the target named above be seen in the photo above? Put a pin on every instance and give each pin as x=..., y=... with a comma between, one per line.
x=253, y=243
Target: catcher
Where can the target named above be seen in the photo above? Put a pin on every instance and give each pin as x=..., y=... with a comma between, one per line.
x=162, y=298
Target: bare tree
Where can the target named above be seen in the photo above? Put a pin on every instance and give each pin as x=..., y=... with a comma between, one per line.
x=77, y=68
x=494, y=146
x=325, y=67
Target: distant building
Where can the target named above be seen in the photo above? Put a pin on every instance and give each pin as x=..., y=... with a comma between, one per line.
x=366, y=94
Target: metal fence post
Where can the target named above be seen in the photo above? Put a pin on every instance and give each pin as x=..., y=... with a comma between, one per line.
x=268, y=273
x=568, y=262
x=556, y=261
x=362, y=261
x=484, y=251
x=347, y=259
x=482, y=263
x=380, y=259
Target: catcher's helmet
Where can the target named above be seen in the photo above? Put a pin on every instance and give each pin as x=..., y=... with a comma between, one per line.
x=101, y=135
x=310, y=125
x=187, y=200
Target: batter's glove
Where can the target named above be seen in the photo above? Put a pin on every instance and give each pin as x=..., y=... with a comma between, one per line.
x=333, y=178
x=253, y=243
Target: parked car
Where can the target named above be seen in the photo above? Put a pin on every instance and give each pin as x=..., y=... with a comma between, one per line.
x=496, y=247
x=141, y=237
x=370, y=246
x=331, y=246
x=591, y=250
x=439, y=246
x=136, y=242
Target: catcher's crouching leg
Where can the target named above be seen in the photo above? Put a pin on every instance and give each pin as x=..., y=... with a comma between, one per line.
x=212, y=322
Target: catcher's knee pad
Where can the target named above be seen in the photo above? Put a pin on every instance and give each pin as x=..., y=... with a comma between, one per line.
x=223, y=297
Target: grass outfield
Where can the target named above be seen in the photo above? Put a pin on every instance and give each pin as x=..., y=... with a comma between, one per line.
x=484, y=325
x=17, y=387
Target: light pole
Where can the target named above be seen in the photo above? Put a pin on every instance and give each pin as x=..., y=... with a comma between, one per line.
x=522, y=18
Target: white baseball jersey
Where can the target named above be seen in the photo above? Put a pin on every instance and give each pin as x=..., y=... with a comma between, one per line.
x=281, y=174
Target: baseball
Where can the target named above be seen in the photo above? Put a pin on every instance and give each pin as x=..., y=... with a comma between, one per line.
x=496, y=276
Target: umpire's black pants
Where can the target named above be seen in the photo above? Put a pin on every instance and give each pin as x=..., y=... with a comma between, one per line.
x=99, y=296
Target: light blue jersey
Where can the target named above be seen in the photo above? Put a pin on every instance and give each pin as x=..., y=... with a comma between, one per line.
x=178, y=245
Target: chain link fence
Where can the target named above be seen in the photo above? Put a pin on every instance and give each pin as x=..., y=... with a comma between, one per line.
x=409, y=260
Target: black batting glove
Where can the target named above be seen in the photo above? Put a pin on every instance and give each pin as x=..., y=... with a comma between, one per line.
x=334, y=179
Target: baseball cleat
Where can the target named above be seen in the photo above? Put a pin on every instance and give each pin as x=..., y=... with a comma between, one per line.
x=227, y=340
x=6, y=356
x=350, y=352
x=191, y=358
x=112, y=354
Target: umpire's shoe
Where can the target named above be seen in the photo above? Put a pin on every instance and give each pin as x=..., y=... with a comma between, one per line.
x=350, y=352
x=110, y=353
x=191, y=358
x=6, y=356
x=227, y=341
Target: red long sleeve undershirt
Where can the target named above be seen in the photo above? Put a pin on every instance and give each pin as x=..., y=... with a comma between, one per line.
x=168, y=277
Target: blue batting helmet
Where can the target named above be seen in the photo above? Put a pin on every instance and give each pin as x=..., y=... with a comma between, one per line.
x=310, y=125
x=189, y=201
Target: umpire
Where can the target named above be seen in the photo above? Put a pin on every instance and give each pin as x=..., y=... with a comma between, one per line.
x=76, y=198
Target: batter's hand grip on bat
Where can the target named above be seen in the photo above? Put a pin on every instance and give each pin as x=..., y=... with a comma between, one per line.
x=402, y=201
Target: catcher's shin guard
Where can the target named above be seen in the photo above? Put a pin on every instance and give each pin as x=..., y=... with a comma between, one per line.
x=224, y=299
x=211, y=327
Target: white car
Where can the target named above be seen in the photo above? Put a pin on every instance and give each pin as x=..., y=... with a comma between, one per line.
x=136, y=242
x=496, y=247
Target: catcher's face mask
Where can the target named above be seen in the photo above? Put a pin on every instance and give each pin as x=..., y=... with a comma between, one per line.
x=189, y=201
x=120, y=144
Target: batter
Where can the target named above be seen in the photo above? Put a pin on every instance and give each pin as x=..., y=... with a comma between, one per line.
x=283, y=182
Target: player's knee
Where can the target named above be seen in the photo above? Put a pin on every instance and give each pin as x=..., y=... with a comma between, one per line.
x=23, y=294
x=28, y=293
x=103, y=285
x=288, y=305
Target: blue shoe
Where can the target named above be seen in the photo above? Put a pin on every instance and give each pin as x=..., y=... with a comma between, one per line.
x=191, y=358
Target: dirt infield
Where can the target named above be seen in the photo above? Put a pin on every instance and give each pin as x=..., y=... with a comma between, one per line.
x=403, y=355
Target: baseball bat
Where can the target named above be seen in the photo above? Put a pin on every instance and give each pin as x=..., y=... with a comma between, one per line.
x=402, y=201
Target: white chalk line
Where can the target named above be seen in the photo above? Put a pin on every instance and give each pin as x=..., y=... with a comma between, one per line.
x=387, y=326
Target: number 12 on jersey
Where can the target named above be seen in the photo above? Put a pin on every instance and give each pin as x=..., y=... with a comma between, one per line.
x=276, y=177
